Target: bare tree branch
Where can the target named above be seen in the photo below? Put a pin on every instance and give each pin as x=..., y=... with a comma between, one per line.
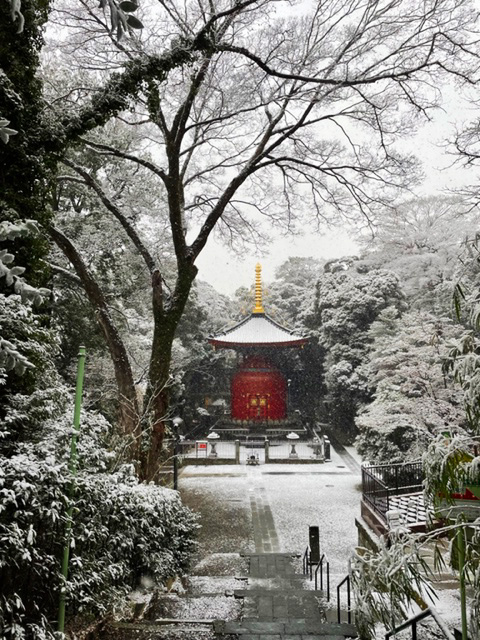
x=129, y=228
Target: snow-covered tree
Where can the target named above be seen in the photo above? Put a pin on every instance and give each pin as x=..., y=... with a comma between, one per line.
x=293, y=285
x=420, y=240
x=122, y=529
x=344, y=306
x=413, y=399
x=235, y=135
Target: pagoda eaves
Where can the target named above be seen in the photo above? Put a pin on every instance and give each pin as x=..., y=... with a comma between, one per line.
x=257, y=330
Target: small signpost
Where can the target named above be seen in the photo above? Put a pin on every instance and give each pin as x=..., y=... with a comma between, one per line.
x=201, y=447
x=314, y=543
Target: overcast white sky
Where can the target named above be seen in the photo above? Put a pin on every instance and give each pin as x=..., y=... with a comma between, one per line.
x=226, y=272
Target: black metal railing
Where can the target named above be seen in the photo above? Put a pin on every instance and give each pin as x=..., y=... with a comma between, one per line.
x=319, y=568
x=412, y=622
x=322, y=576
x=375, y=493
x=399, y=476
x=346, y=581
x=307, y=562
x=322, y=568
x=381, y=482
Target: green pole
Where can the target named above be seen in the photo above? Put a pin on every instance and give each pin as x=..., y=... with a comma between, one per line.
x=461, y=569
x=72, y=466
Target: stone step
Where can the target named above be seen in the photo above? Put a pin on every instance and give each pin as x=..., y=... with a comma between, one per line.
x=220, y=564
x=199, y=607
x=165, y=632
x=163, y=623
x=298, y=627
x=256, y=554
x=213, y=584
x=332, y=615
x=188, y=595
x=290, y=592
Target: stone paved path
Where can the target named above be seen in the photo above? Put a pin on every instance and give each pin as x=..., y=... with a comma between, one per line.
x=265, y=536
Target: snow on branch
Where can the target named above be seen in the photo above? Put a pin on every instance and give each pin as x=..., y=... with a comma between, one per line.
x=11, y=359
x=12, y=275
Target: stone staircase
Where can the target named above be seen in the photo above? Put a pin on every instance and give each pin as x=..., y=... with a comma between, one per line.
x=257, y=596
x=277, y=606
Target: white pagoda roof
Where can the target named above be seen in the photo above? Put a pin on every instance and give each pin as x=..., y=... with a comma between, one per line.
x=258, y=330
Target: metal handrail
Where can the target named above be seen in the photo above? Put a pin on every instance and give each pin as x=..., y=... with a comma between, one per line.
x=320, y=566
x=307, y=568
x=388, y=465
x=306, y=562
x=380, y=482
x=412, y=622
x=365, y=472
x=396, y=476
x=349, y=611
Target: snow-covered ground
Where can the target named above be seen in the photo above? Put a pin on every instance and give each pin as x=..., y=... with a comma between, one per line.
x=326, y=495
x=315, y=495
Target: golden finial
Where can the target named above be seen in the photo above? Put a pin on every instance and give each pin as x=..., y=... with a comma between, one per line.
x=258, y=289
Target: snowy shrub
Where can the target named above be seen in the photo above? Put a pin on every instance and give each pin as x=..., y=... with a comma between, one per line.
x=125, y=530
x=12, y=274
x=5, y=131
x=449, y=464
x=463, y=361
x=387, y=582
x=122, y=529
x=32, y=505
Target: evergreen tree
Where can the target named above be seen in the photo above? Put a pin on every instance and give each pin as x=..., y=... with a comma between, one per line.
x=345, y=304
x=413, y=400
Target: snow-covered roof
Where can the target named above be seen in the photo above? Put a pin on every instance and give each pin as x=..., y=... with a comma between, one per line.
x=258, y=330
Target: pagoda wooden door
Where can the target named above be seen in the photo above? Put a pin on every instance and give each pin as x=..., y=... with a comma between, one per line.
x=258, y=406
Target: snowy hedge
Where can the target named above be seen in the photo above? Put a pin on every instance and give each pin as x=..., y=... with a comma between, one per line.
x=122, y=530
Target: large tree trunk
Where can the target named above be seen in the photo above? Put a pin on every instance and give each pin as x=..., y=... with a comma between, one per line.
x=128, y=412
x=166, y=321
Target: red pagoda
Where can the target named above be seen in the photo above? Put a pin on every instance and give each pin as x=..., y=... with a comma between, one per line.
x=259, y=390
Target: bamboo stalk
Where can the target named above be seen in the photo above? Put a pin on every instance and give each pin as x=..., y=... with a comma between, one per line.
x=72, y=466
x=461, y=569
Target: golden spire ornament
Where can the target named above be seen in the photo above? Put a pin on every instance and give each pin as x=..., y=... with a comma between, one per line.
x=258, y=289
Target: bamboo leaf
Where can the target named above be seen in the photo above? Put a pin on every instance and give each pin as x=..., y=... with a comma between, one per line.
x=128, y=6
x=134, y=22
